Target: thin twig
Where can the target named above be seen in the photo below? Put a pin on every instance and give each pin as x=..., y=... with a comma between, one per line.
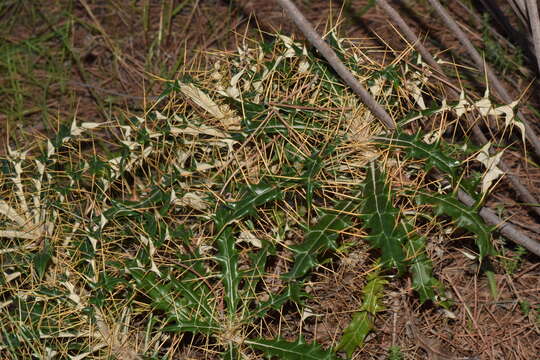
x=488, y=215
x=497, y=85
x=411, y=37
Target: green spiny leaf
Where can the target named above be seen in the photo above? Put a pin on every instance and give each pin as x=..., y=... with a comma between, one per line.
x=394, y=353
x=381, y=218
x=372, y=293
x=228, y=259
x=421, y=269
x=254, y=196
x=254, y=275
x=365, y=9
x=297, y=350
x=184, y=302
x=362, y=321
x=293, y=292
x=321, y=236
x=418, y=149
x=355, y=334
x=464, y=217
x=312, y=166
x=42, y=259
x=231, y=353
x=193, y=326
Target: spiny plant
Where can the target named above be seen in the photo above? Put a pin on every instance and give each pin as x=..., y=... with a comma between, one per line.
x=200, y=231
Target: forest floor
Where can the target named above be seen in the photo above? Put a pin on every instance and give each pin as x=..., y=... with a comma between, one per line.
x=119, y=50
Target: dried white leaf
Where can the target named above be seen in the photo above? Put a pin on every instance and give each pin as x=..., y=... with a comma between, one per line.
x=12, y=276
x=306, y=313
x=193, y=200
x=73, y=295
x=198, y=130
x=377, y=86
x=206, y=249
x=233, y=92
x=249, y=238
x=468, y=255
x=89, y=125
x=490, y=162
x=462, y=106
x=15, y=154
x=147, y=151
x=75, y=130
x=204, y=166
x=432, y=136
x=103, y=221
x=449, y=314
x=130, y=144
x=11, y=214
x=50, y=149
x=151, y=251
x=204, y=101
x=93, y=241
x=303, y=67
x=413, y=88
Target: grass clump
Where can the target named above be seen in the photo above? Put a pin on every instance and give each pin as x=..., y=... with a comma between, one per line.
x=202, y=229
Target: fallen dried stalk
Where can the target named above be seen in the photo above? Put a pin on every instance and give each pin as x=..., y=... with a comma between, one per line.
x=488, y=215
